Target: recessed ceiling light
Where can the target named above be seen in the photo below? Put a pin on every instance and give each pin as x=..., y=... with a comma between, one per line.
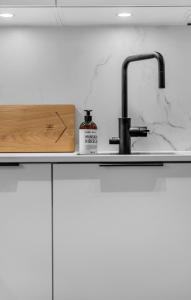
x=124, y=15
x=6, y=15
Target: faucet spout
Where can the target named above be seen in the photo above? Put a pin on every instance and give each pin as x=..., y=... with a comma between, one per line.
x=128, y=60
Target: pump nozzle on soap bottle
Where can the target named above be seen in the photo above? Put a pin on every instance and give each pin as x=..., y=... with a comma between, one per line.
x=88, y=135
x=88, y=117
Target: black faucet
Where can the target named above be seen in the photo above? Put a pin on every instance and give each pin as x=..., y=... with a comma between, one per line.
x=125, y=129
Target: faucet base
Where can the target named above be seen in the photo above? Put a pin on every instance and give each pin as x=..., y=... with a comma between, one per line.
x=126, y=132
x=124, y=136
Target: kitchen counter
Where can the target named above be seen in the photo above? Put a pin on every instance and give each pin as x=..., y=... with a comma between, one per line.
x=121, y=226
x=135, y=158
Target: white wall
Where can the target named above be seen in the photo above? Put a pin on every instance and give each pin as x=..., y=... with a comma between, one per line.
x=83, y=66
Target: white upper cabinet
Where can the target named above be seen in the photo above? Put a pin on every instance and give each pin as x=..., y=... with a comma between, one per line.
x=141, y=16
x=26, y=3
x=96, y=12
x=85, y=16
x=124, y=2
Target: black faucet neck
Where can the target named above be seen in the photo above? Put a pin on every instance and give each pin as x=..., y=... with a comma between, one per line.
x=128, y=60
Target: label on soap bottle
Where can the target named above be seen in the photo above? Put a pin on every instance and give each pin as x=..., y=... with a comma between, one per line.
x=88, y=141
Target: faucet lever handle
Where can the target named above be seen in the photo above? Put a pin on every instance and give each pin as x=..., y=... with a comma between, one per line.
x=114, y=141
x=138, y=131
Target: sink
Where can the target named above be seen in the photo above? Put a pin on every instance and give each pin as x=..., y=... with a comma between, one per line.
x=155, y=153
x=142, y=153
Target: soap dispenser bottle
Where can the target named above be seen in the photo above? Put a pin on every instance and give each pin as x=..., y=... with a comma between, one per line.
x=88, y=135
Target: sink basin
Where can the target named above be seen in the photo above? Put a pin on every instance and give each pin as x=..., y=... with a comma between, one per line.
x=155, y=153
x=142, y=153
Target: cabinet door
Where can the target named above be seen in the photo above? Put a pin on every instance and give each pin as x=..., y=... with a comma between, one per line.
x=25, y=232
x=123, y=2
x=122, y=232
x=26, y=3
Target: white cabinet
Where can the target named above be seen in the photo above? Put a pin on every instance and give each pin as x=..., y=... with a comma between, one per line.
x=95, y=12
x=25, y=232
x=27, y=3
x=124, y=2
x=141, y=16
x=144, y=12
x=122, y=233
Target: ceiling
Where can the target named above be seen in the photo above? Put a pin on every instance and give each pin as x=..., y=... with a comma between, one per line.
x=96, y=16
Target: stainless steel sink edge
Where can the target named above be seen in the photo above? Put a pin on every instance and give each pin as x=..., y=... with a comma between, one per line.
x=151, y=153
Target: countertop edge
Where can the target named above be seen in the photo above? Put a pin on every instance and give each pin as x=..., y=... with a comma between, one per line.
x=177, y=157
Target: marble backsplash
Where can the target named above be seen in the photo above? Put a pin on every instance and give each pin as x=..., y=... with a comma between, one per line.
x=82, y=66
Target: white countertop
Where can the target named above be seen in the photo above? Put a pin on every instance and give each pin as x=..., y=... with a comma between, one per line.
x=163, y=157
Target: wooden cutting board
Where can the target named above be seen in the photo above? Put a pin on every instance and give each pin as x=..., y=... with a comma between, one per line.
x=37, y=128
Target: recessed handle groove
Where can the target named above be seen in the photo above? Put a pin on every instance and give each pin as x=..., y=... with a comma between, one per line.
x=9, y=164
x=133, y=164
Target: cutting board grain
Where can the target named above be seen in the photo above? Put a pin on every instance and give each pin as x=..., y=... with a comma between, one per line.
x=37, y=128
